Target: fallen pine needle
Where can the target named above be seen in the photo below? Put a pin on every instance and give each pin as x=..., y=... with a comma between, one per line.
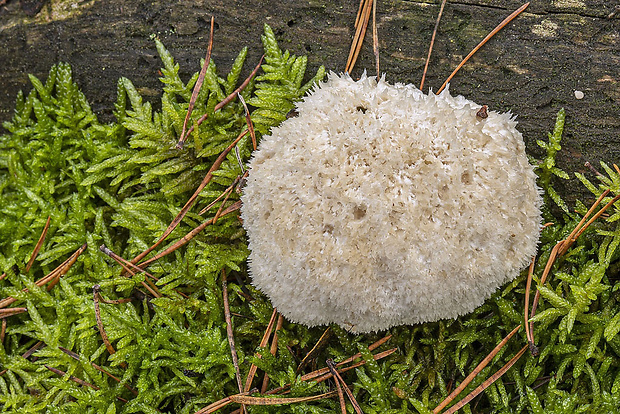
x=486, y=39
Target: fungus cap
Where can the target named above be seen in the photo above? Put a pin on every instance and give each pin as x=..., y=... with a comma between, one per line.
x=379, y=205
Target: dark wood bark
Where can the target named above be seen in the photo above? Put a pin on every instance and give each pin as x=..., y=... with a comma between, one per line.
x=532, y=68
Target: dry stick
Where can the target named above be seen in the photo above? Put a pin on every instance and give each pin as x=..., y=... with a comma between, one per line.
x=430, y=48
x=332, y=368
x=375, y=36
x=486, y=39
x=273, y=350
x=2, y=276
x=60, y=271
x=475, y=372
x=528, y=327
x=78, y=381
x=230, y=97
x=315, y=349
x=37, y=247
x=229, y=331
x=248, y=121
x=263, y=343
x=486, y=383
x=98, y=368
x=197, y=86
x=192, y=199
x=213, y=407
x=358, y=39
x=5, y=313
x=185, y=239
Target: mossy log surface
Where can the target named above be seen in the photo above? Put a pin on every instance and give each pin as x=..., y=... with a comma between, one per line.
x=531, y=68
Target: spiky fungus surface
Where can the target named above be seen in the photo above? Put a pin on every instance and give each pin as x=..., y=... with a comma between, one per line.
x=379, y=205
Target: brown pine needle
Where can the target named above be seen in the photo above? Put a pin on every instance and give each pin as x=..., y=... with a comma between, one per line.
x=430, y=48
x=248, y=120
x=486, y=39
x=185, y=239
x=273, y=350
x=332, y=368
x=572, y=236
x=3, y=331
x=213, y=407
x=248, y=400
x=528, y=286
x=343, y=404
x=220, y=159
x=229, y=331
x=39, y=244
x=214, y=202
x=486, y=383
x=375, y=36
x=78, y=381
x=360, y=33
x=320, y=344
x=5, y=313
x=230, y=97
x=376, y=357
x=102, y=332
x=263, y=343
x=475, y=372
x=132, y=269
x=72, y=378
x=60, y=271
x=98, y=368
x=33, y=349
x=197, y=86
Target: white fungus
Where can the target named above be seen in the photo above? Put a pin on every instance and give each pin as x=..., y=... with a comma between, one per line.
x=379, y=205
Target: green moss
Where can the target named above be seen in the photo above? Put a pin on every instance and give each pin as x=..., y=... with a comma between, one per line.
x=121, y=184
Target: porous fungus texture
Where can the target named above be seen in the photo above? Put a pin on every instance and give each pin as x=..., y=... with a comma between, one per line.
x=379, y=205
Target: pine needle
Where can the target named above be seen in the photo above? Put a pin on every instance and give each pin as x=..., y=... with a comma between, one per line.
x=430, y=48
x=486, y=39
